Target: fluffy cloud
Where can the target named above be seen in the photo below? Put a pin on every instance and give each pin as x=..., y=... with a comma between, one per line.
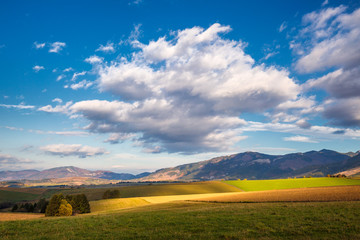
x=345, y=112
x=6, y=159
x=56, y=47
x=185, y=94
x=37, y=68
x=78, y=150
x=299, y=139
x=94, y=59
x=82, y=84
x=108, y=48
x=334, y=36
x=339, y=83
x=57, y=109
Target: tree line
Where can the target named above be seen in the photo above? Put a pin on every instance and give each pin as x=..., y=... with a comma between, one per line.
x=59, y=205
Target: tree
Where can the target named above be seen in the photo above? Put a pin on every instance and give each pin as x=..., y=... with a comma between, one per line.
x=15, y=207
x=79, y=203
x=41, y=205
x=52, y=208
x=111, y=194
x=65, y=209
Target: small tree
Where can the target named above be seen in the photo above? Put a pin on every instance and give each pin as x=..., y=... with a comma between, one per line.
x=52, y=208
x=111, y=194
x=65, y=209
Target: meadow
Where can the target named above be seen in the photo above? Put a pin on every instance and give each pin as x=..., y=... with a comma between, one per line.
x=205, y=210
x=262, y=185
x=199, y=220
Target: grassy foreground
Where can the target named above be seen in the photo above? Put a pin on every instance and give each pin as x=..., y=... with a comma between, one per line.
x=190, y=220
x=263, y=185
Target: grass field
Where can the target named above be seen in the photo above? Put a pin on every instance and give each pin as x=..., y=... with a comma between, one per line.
x=199, y=220
x=12, y=196
x=263, y=185
x=158, y=190
x=19, y=216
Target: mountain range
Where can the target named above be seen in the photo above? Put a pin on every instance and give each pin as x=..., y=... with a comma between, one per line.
x=66, y=172
x=249, y=165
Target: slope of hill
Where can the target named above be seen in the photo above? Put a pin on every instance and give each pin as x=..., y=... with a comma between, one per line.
x=253, y=165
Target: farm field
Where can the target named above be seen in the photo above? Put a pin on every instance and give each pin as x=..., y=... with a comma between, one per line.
x=157, y=190
x=19, y=194
x=263, y=185
x=321, y=194
x=200, y=220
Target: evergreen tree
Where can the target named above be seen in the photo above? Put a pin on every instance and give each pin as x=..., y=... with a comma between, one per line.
x=41, y=205
x=79, y=203
x=15, y=207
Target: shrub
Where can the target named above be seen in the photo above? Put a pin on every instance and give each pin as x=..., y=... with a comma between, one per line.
x=111, y=194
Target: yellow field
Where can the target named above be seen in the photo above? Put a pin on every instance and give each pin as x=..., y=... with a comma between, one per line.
x=19, y=216
x=115, y=204
x=342, y=193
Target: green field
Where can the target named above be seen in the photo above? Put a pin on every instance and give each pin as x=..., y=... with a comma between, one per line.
x=190, y=220
x=263, y=185
x=157, y=190
x=12, y=196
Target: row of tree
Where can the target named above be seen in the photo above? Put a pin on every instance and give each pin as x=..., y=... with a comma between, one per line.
x=59, y=205
x=39, y=207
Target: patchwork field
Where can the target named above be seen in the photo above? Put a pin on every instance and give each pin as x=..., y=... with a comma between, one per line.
x=263, y=185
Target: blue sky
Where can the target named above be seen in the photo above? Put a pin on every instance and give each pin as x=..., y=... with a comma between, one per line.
x=133, y=86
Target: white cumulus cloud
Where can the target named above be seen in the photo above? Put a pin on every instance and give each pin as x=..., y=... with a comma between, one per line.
x=65, y=150
x=108, y=48
x=56, y=47
x=187, y=92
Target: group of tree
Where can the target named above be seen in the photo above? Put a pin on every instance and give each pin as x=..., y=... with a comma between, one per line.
x=38, y=207
x=59, y=205
x=67, y=206
x=111, y=194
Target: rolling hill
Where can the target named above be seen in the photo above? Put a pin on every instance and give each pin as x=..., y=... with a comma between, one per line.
x=250, y=165
x=253, y=165
x=65, y=172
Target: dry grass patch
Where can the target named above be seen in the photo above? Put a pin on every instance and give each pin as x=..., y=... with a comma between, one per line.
x=323, y=194
x=19, y=216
